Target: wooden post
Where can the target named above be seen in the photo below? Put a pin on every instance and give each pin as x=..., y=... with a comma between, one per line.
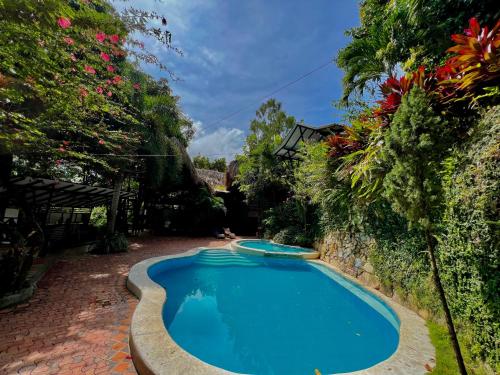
x=114, y=203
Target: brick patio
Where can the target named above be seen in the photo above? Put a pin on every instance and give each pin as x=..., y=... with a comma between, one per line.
x=78, y=320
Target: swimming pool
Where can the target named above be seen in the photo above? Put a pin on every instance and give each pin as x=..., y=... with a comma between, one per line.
x=264, y=247
x=260, y=315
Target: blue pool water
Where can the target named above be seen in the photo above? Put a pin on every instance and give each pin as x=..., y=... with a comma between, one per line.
x=273, y=247
x=261, y=315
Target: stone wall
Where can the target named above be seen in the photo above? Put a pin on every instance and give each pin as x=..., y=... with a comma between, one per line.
x=350, y=252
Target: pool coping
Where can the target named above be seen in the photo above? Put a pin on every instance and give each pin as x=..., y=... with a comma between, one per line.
x=249, y=250
x=154, y=352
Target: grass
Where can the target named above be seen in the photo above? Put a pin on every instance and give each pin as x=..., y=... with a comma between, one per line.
x=445, y=358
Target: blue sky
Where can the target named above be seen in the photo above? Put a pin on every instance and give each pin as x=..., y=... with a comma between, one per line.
x=237, y=51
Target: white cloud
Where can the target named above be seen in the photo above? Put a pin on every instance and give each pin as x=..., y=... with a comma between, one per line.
x=221, y=143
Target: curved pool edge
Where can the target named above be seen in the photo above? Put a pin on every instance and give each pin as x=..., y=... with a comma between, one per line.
x=235, y=245
x=154, y=352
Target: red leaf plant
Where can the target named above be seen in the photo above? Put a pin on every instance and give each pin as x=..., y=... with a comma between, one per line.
x=340, y=145
x=477, y=58
x=394, y=89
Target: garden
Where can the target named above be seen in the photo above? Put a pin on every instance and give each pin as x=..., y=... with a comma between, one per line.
x=401, y=198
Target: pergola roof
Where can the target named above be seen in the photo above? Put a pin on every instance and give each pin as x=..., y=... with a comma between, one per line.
x=41, y=191
x=304, y=133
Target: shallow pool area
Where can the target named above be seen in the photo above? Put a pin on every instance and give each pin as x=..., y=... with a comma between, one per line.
x=263, y=315
x=269, y=248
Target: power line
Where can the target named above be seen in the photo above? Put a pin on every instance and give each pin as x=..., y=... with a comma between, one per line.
x=322, y=66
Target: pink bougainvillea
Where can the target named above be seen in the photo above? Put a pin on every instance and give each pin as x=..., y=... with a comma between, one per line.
x=136, y=86
x=101, y=142
x=69, y=41
x=105, y=56
x=83, y=92
x=114, y=38
x=117, y=80
x=89, y=69
x=64, y=22
x=110, y=93
x=100, y=36
x=99, y=90
x=110, y=68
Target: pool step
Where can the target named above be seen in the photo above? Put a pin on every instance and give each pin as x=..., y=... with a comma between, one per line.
x=223, y=258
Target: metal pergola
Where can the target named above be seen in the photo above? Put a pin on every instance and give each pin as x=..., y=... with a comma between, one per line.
x=304, y=133
x=52, y=193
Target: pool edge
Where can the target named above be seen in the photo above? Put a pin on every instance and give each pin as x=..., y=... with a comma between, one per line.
x=252, y=251
x=155, y=352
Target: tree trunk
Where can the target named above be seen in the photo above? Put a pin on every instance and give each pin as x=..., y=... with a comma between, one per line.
x=449, y=321
x=114, y=204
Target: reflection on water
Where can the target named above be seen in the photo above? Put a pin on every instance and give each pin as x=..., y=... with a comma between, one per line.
x=271, y=316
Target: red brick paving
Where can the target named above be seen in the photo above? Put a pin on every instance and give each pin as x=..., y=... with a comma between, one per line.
x=78, y=320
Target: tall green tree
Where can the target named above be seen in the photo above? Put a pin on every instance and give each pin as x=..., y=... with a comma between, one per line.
x=262, y=176
x=413, y=151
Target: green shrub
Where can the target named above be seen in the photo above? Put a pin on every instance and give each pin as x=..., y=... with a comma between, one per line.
x=293, y=236
x=98, y=217
x=114, y=243
x=285, y=236
x=470, y=244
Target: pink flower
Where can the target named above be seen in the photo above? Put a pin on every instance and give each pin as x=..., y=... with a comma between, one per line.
x=64, y=22
x=73, y=57
x=114, y=38
x=83, y=92
x=104, y=56
x=66, y=143
x=89, y=69
x=136, y=86
x=99, y=90
x=101, y=142
x=62, y=149
x=108, y=82
x=110, y=93
x=117, y=80
x=69, y=41
x=110, y=68
x=100, y=36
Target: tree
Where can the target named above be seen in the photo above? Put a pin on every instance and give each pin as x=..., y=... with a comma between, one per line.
x=73, y=107
x=262, y=176
x=413, y=150
x=398, y=34
x=202, y=162
x=219, y=165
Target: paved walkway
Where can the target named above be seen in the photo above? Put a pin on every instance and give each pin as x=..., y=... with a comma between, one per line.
x=78, y=320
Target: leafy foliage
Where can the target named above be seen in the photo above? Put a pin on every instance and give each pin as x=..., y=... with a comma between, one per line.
x=469, y=244
x=398, y=33
x=262, y=176
x=204, y=162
